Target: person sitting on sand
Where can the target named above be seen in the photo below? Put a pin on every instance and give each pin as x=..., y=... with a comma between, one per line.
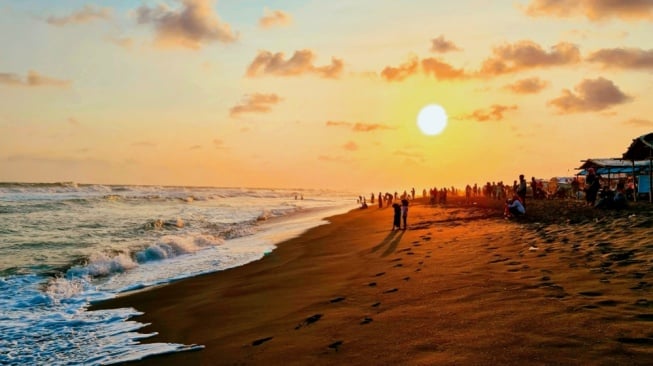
x=514, y=207
x=396, y=222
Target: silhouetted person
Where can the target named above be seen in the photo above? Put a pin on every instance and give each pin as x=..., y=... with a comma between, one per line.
x=396, y=222
x=521, y=190
x=404, y=211
x=592, y=185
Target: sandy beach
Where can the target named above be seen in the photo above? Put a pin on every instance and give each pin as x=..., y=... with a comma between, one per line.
x=461, y=286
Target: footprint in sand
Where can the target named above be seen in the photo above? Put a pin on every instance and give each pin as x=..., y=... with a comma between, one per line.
x=406, y=278
x=379, y=274
x=337, y=299
x=372, y=284
x=391, y=290
x=308, y=321
x=376, y=304
x=366, y=320
x=591, y=293
x=629, y=340
x=259, y=342
x=335, y=345
x=398, y=265
x=396, y=260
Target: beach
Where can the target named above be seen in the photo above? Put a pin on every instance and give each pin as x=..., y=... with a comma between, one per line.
x=566, y=285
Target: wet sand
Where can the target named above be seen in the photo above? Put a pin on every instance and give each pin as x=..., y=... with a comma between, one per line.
x=462, y=286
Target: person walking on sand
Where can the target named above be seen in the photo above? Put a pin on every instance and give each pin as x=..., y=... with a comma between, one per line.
x=404, y=211
x=396, y=221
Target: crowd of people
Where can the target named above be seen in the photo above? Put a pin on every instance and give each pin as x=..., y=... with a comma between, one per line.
x=513, y=195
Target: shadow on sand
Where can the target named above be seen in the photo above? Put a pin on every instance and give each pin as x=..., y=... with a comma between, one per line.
x=392, y=241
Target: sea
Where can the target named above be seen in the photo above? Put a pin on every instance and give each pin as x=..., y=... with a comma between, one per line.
x=64, y=246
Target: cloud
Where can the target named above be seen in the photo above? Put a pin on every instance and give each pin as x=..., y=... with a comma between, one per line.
x=527, y=86
x=301, y=62
x=410, y=155
x=274, y=18
x=525, y=55
x=124, y=42
x=359, y=126
x=623, y=58
x=494, y=113
x=218, y=144
x=255, y=103
x=442, y=70
x=591, y=95
x=594, y=10
x=144, y=144
x=441, y=45
x=333, y=159
x=85, y=15
x=33, y=79
x=639, y=122
x=192, y=26
x=402, y=72
x=351, y=146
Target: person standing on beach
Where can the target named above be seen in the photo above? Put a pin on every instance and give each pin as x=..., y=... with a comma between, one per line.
x=396, y=221
x=521, y=189
x=380, y=200
x=592, y=185
x=404, y=211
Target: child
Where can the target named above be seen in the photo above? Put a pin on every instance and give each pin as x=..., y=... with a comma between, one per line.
x=396, y=223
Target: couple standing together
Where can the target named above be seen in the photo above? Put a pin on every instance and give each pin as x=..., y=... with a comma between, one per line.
x=401, y=211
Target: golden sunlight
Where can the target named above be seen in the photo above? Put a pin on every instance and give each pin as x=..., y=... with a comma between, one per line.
x=432, y=120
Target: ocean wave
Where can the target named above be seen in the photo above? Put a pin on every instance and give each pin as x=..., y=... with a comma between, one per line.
x=159, y=224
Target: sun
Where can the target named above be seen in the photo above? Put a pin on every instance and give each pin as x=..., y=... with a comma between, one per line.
x=432, y=119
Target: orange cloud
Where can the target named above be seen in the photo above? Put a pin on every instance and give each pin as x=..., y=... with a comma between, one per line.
x=591, y=95
x=623, y=58
x=351, y=146
x=525, y=55
x=527, y=86
x=359, y=126
x=218, y=144
x=638, y=122
x=402, y=72
x=441, y=45
x=593, y=9
x=191, y=26
x=333, y=159
x=442, y=70
x=85, y=15
x=494, y=113
x=274, y=18
x=301, y=62
x=255, y=103
x=33, y=79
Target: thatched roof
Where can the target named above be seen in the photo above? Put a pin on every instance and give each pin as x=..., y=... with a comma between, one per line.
x=640, y=149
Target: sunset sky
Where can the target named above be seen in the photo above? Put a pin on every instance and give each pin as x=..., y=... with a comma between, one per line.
x=318, y=94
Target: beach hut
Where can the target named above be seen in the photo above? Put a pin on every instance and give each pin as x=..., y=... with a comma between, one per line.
x=642, y=149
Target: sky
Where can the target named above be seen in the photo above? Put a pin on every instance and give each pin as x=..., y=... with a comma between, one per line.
x=318, y=94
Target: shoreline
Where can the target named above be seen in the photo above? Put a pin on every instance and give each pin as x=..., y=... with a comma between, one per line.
x=460, y=286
